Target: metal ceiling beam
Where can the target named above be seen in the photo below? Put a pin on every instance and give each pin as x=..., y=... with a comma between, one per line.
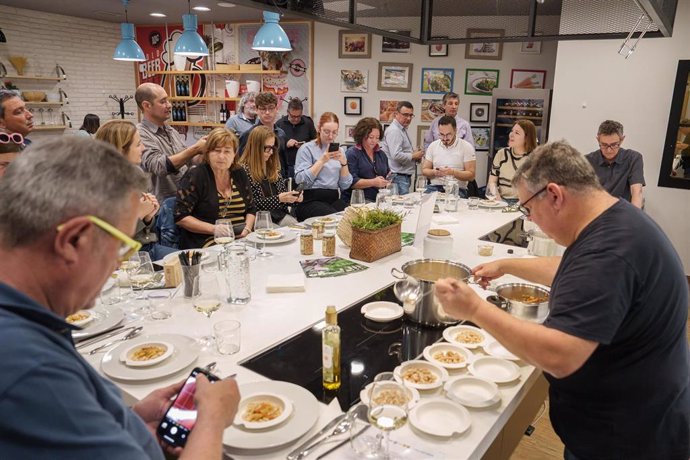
x=664, y=23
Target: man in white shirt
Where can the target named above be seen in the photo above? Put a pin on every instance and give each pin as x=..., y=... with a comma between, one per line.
x=449, y=156
x=451, y=104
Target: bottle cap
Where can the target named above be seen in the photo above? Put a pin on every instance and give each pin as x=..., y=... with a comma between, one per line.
x=331, y=315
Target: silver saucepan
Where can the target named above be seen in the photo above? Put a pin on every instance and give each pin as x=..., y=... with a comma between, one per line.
x=524, y=301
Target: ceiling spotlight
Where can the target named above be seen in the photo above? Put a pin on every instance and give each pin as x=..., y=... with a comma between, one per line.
x=201, y=8
x=157, y=15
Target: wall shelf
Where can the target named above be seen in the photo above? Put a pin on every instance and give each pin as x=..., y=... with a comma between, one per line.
x=32, y=77
x=49, y=127
x=207, y=98
x=44, y=103
x=196, y=123
x=215, y=72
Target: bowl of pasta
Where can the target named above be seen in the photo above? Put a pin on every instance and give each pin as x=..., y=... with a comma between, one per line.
x=262, y=410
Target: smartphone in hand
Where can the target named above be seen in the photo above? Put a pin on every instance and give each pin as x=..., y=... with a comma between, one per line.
x=179, y=420
x=333, y=146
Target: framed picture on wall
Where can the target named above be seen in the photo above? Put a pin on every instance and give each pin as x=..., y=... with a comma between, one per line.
x=349, y=132
x=527, y=79
x=484, y=49
x=387, y=110
x=530, y=47
x=438, y=49
x=395, y=77
x=481, y=81
x=431, y=108
x=353, y=105
x=354, y=44
x=437, y=81
x=393, y=45
x=421, y=132
x=354, y=81
x=482, y=137
x=479, y=112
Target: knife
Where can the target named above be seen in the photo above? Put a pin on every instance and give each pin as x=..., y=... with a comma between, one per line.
x=344, y=441
x=326, y=429
x=102, y=336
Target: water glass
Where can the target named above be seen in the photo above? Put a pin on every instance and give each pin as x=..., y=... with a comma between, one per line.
x=190, y=280
x=160, y=304
x=142, y=276
x=227, y=335
x=357, y=198
x=473, y=203
x=237, y=276
x=381, y=198
x=420, y=185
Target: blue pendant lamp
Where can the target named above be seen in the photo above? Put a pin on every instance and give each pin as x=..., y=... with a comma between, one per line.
x=128, y=49
x=190, y=43
x=271, y=37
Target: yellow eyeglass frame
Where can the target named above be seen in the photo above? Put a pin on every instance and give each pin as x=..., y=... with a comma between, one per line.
x=129, y=246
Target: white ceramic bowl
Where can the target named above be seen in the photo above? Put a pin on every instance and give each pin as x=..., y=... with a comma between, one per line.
x=496, y=370
x=495, y=349
x=85, y=316
x=451, y=335
x=280, y=401
x=436, y=348
x=127, y=356
x=440, y=417
x=440, y=373
x=412, y=393
x=472, y=391
x=273, y=235
x=382, y=312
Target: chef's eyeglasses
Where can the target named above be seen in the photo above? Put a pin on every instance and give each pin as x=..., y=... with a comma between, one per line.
x=406, y=115
x=6, y=138
x=270, y=148
x=128, y=246
x=613, y=146
x=522, y=207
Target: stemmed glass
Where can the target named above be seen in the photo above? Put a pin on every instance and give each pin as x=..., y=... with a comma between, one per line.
x=224, y=234
x=142, y=275
x=388, y=406
x=210, y=299
x=357, y=198
x=420, y=186
x=262, y=226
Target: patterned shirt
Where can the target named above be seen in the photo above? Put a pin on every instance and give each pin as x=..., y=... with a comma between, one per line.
x=504, y=166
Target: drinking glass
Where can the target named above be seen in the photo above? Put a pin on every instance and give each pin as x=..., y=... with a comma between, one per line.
x=490, y=192
x=209, y=301
x=420, y=185
x=262, y=226
x=392, y=189
x=388, y=405
x=357, y=198
x=381, y=198
x=223, y=233
x=142, y=276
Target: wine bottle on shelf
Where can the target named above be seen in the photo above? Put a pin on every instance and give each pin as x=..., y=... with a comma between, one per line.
x=223, y=116
x=175, y=115
x=178, y=87
x=330, y=350
x=186, y=86
x=183, y=111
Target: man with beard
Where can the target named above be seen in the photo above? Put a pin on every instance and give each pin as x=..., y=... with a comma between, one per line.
x=245, y=118
x=14, y=116
x=449, y=156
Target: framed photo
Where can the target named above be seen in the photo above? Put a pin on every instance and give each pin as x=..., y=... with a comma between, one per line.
x=527, y=79
x=482, y=49
x=354, y=45
x=354, y=81
x=437, y=81
x=530, y=47
x=431, y=108
x=387, y=110
x=438, y=49
x=481, y=81
x=482, y=137
x=393, y=45
x=479, y=112
x=421, y=132
x=349, y=132
x=395, y=77
x=353, y=105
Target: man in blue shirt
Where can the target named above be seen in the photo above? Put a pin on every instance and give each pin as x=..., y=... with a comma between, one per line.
x=61, y=236
x=451, y=104
x=14, y=116
x=402, y=158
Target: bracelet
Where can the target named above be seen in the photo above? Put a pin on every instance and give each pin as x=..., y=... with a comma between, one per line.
x=249, y=230
x=343, y=164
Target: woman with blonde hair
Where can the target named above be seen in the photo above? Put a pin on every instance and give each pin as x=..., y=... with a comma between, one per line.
x=123, y=135
x=218, y=188
x=521, y=141
x=261, y=163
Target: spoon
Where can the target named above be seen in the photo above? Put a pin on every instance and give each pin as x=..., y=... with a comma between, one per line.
x=135, y=332
x=340, y=428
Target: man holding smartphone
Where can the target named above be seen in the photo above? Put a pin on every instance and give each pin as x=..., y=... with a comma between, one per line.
x=298, y=129
x=402, y=158
x=54, y=260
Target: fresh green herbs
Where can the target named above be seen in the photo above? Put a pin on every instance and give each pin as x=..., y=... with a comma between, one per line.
x=376, y=219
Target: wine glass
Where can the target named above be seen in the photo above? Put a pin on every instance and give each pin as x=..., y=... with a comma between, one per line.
x=142, y=276
x=211, y=298
x=388, y=405
x=490, y=192
x=262, y=226
x=223, y=233
x=420, y=185
x=357, y=198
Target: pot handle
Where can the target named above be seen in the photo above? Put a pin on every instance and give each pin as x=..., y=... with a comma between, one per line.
x=401, y=275
x=500, y=302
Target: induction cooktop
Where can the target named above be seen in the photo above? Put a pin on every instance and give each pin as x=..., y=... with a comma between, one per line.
x=367, y=348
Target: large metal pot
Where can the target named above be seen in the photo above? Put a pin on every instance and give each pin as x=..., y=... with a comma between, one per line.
x=515, y=299
x=423, y=307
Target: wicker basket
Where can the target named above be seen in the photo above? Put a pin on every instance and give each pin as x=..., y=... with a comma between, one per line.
x=371, y=245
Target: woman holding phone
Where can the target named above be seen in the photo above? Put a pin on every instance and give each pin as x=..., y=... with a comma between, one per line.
x=261, y=163
x=321, y=169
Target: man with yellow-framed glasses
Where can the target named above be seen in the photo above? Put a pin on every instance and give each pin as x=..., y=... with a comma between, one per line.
x=67, y=210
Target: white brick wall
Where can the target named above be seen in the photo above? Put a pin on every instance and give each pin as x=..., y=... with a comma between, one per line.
x=83, y=47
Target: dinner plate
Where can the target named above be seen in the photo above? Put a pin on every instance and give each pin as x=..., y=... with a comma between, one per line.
x=451, y=335
x=273, y=234
x=104, y=319
x=477, y=81
x=440, y=373
x=492, y=204
x=283, y=404
x=286, y=237
x=440, y=417
x=382, y=312
x=412, y=392
x=472, y=391
x=324, y=219
x=304, y=415
x=496, y=370
x=495, y=349
x=186, y=352
x=445, y=348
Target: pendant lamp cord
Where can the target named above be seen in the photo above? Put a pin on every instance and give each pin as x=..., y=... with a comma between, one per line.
x=125, y=2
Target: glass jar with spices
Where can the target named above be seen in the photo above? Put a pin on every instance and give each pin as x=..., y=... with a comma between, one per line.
x=328, y=243
x=306, y=243
x=317, y=230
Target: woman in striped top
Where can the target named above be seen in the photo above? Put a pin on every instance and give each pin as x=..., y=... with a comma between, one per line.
x=216, y=189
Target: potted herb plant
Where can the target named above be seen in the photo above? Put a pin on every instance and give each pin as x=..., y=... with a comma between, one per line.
x=375, y=234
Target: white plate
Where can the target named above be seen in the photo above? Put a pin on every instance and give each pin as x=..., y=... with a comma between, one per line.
x=440, y=373
x=325, y=219
x=495, y=349
x=285, y=238
x=382, y=312
x=274, y=235
x=431, y=350
x=472, y=391
x=283, y=403
x=304, y=415
x=492, y=204
x=126, y=357
x=205, y=255
x=104, y=319
x=496, y=370
x=87, y=315
x=440, y=417
x=413, y=393
x=186, y=352
x=450, y=334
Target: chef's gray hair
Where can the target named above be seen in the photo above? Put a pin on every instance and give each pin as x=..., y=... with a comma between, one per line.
x=54, y=181
x=5, y=94
x=560, y=163
x=246, y=98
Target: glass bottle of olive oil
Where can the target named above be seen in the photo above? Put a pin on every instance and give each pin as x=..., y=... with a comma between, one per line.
x=330, y=341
